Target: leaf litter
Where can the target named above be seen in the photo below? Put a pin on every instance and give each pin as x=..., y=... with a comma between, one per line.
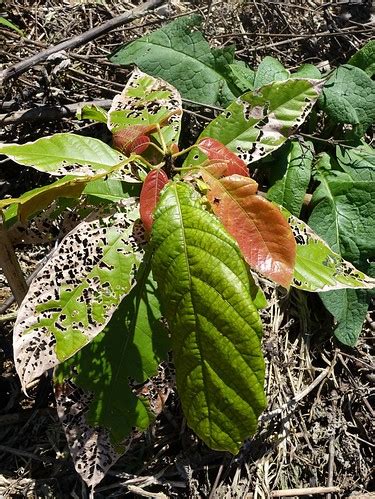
x=313, y=434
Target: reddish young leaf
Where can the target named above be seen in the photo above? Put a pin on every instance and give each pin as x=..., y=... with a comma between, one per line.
x=262, y=233
x=215, y=150
x=153, y=184
x=132, y=139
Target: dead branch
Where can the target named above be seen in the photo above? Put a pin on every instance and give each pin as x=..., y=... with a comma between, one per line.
x=87, y=36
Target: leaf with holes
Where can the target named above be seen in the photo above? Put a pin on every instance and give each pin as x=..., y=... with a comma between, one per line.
x=264, y=237
x=215, y=328
x=145, y=104
x=179, y=54
x=153, y=184
x=259, y=122
x=318, y=267
x=74, y=295
x=291, y=176
x=65, y=154
x=96, y=403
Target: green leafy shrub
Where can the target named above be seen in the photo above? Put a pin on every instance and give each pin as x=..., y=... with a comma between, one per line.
x=163, y=257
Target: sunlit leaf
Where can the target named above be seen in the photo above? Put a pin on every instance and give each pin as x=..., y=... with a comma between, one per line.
x=215, y=150
x=153, y=184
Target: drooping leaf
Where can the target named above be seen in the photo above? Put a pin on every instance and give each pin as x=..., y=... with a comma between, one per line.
x=318, y=267
x=74, y=295
x=243, y=76
x=259, y=122
x=65, y=154
x=217, y=151
x=92, y=112
x=357, y=162
x=291, y=178
x=349, y=97
x=269, y=70
x=35, y=200
x=96, y=403
x=264, y=237
x=343, y=214
x=179, y=54
x=111, y=190
x=365, y=58
x=215, y=329
x=152, y=186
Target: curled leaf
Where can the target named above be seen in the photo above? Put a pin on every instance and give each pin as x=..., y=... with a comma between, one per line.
x=153, y=184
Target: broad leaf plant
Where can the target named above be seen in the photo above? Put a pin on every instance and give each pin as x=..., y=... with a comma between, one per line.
x=165, y=255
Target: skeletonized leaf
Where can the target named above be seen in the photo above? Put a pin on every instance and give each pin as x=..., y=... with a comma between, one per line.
x=215, y=328
x=153, y=184
x=318, y=268
x=259, y=122
x=264, y=237
x=65, y=154
x=96, y=403
x=75, y=294
x=144, y=104
x=215, y=150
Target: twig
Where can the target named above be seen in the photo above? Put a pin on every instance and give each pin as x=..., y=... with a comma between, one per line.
x=331, y=465
x=309, y=491
x=91, y=34
x=23, y=453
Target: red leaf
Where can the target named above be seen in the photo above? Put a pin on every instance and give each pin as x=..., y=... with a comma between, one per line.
x=127, y=139
x=140, y=144
x=153, y=184
x=263, y=235
x=215, y=150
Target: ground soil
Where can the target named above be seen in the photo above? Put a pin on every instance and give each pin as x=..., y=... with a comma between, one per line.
x=327, y=437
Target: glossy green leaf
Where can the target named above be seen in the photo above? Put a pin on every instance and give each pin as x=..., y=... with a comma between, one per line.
x=269, y=70
x=357, y=162
x=259, y=122
x=92, y=112
x=206, y=298
x=35, y=200
x=99, y=409
x=179, y=54
x=111, y=190
x=365, y=58
x=291, y=176
x=74, y=295
x=318, y=267
x=349, y=97
x=65, y=154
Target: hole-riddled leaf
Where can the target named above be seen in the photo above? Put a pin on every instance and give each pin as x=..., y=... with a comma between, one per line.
x=318, y=268
x=206, y=296
x=100, y=411
x=153, y=184
x=264, y=237
x=144, y=104
x=65, y=154
x=75, y=294
x=259, y=122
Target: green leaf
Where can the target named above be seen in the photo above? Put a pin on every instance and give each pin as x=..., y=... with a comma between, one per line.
x=307, y=71
x=35, y=200
x=365, y=58
x=9, y=24
x=291, y=178
x=107, y=411
x=65, y=154
x=243, y=76
x=349, y=97
x=318, y=268
x=343, y=214
x=92, y=112
x=74, y=295
x=111, y=190
x=358, y=162
x=269, y=70
x=179, y=54
x=259, y=122
x=206, y=297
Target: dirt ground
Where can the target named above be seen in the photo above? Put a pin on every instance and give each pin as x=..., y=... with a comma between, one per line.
x=318, y=430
